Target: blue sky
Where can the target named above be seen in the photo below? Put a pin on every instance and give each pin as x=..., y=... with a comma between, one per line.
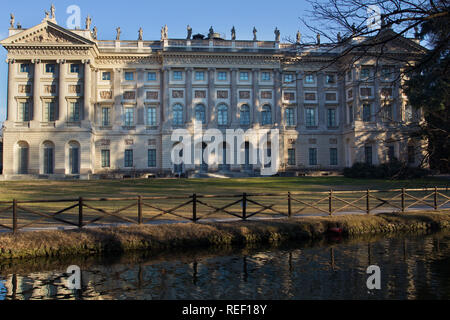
x=151, y=15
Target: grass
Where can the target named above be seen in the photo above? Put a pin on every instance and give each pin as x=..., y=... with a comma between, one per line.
x=165, y=237
x=45, y=190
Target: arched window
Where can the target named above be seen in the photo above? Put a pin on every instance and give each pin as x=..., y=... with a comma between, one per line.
x=177, y=119
x=222, y=115
x=74, y=157
x=48, y=157
x=200, y=113
x=245, y=115
x=22, y=157
x=266, y=115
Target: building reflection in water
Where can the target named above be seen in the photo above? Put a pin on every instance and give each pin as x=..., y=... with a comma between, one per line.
x=417, y=267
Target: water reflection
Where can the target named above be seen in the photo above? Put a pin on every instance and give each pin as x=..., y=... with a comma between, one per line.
x=413, y=267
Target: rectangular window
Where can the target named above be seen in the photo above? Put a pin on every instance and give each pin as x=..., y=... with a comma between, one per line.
x=49, y=112
x=331, y=118
x=391, y=153
x=177, y=75
x=105, y=158
x=367, y=116
x=129, y=76
x=312, y=156
x=151, y=116
x=365, y=73
x=128, y=158
x=387, y=112
x=290, y=117
x=366, y=92
x=151, y=158
x=288, y=78
x=408, y=113
x=244, y=76
x=151, y=76
x=74, y=68
x=106, y=117
x=50, y=68
x=74, y=112
x=200, y=76
x=24, y=111
x=291, y=157
x=386, y=73
x=48, y=160
x=368, y=154
x=310, y=117
x=222, y=76
x=265, y=76
x=330, y=79
x=350, y=114
x=106, y=76
x=129, y=117
x=24, y=67
x=309, y=78
x=411, y=154
x=333, y=157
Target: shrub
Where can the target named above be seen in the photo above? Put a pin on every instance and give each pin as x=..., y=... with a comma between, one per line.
x=392, y=170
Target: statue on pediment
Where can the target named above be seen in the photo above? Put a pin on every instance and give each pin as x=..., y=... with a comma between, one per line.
x=94, y=33
x=166, y=32
x=11, y=21
x=141, y=34
x=254, y=33
x=47, y=14
x=211, y=33
x=233, y=34
x=318, y=38
x=277, y=34
x=118, y=31
x=52, y=11
x=189, y=32
x=339, y=37
x=88, y=22
x=298, y=37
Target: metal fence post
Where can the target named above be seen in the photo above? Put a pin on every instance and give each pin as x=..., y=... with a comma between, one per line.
x=330, y=202
x=139, y=209
x=289, y=205
x=435, y=198
x=14, y=216
x=244, y=206
x=403, y=199
x=80, y=212
x=194, y=207
x=368, y=202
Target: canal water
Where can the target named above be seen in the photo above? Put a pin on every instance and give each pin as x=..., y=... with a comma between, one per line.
x=412, y=267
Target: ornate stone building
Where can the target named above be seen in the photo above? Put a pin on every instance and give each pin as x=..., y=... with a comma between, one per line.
x=81, y=107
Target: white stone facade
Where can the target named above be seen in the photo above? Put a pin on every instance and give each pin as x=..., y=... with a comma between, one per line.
x=76, y=104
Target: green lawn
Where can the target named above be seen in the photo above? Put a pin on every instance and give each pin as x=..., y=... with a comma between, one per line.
x=48, y=190
x=31, y=190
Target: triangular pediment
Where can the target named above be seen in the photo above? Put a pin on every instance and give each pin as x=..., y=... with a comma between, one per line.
x=46, y=33
x=397, y=43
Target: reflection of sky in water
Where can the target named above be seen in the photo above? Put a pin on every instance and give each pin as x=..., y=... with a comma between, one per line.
x=412, y=268
x=2, y=290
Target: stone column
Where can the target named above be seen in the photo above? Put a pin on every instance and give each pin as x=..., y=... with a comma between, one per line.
x=165, y=96
x=61, y=113
x=140, y=97
x=357, y=112
x=255, y=98
x=396, y=96
x=321, y=100
x=188, y=87
x=117, y=92
x=377, y=100
x=211, y=108
x=36, y=111
x=278, y=103
x=300, y=99
x=87, y=110
x=11, y=114
x=233, y=96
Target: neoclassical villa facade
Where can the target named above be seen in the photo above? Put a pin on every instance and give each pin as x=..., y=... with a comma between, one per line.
x=82, y=107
